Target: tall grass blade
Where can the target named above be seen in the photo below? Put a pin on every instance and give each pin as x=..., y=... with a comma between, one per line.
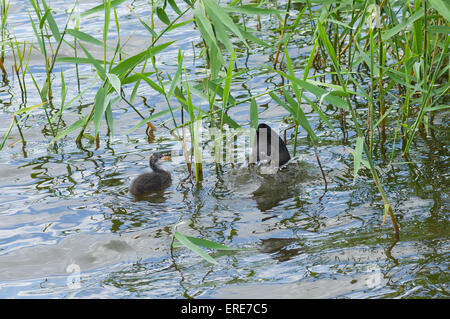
x=128, y=64
x=101, y=71
x=82, y=36
x=404, y=24
x=51, y=22
x=74, y=126
x=101, y=7
x=100, y=104
x=253, y=114
x=189, y=244
x=162, y=15
x=114, y=81
x=210, y=244
x=442, y=8
x=5, y=136
x=214, y=10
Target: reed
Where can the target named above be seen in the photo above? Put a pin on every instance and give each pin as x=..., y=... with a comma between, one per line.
x=4, y=9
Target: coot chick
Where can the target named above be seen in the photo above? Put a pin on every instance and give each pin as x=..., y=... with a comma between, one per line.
x=269, y=147
x=154, y=181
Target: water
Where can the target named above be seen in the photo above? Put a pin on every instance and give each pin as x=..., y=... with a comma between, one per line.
x=69, y=227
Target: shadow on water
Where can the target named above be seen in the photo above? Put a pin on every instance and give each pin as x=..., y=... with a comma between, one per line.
x=158, y=197
x=280, y=249
x=269, y=188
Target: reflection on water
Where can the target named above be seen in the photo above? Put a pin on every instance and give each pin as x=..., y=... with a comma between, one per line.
x=76, y=210
x=66, y=213
x=287, y=183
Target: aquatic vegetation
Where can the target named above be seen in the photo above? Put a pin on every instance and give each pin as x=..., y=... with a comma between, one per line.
x=380, y=67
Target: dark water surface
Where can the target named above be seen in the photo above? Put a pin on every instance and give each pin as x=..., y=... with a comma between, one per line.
x=69, y=227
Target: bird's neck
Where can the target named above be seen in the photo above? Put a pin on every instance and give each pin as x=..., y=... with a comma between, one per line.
x=156, y=168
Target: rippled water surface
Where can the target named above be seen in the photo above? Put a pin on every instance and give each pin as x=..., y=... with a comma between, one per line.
x=70, y=228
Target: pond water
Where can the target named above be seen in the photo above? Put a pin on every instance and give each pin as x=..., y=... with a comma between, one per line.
x=70, y=228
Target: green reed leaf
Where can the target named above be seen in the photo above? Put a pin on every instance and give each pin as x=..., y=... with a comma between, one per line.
x=106, y=20
x=443, y=8
x=174, y=6
x=38, y=37
x=405, y=23
x=162, y=15
x=217, y=11
x=179, y=25
x=28, y=109
x=101, y=7
x=51, y=22
x=94, y=62
x=228, y=78
x=63, y=89
x=42, y=21
x=221, y=34
x=100, y=104
x=207, y=32
x=114, y=81
x=67, y=59
x=328, y=46
x=287, y=107
x=189, y=244
x=155, y=86
x=5, y=136
x=84, y=37
x=176, y=77
x=251, y=9
x=149, y=29
x=134, y=78
x=298, y=114
x=128, y=64
x=254, y=114
x=210, y=244
x=70, y=129
x=109, y=116
x=317, y=91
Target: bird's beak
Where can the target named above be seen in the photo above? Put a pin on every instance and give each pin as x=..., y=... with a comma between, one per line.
x=166, y=158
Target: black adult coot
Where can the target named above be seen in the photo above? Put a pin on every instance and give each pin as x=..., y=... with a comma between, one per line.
x=269, y=147
x=154, y=181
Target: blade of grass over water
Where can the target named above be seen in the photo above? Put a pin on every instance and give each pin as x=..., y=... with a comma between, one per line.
x=100, y=104
x=226, y=87
x=8, y=131
x=151, y=118
x=253, y=114
x=316, y=90
x=101, y=7
x=100, y=69
x=298, y=114
x=126, y=65
x=51, y=22
x=210, y=244
x=82, y=36
x=74, y=126
x=216, y=11
x=195, y=248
